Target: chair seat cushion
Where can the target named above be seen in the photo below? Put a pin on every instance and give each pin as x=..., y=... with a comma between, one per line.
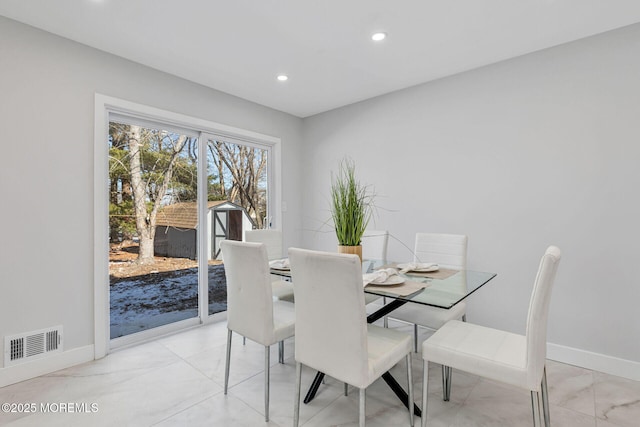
x=491, y=353
x=369, y=298
x=386, y=347
x=284, y=318
x=282, y=290
x=427, y=316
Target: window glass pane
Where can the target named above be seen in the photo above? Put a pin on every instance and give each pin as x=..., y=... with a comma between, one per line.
x=237, y=197
x=239, y=175
x=153, y=217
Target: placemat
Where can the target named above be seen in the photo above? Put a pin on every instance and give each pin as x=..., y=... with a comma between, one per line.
x=403, y=289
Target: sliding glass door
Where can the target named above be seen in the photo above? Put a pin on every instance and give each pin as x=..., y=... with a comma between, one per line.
x=169, y=189
x=237, y=199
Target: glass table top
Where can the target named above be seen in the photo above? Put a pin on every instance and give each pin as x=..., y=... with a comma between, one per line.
x=443, y=293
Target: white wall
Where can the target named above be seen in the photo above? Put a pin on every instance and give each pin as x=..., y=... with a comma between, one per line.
x=47, y=87
x=538, y=150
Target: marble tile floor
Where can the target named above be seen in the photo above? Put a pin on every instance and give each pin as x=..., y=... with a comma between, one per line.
x=178, y=381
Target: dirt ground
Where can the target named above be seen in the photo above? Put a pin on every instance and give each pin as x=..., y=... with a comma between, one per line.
x=122, y=257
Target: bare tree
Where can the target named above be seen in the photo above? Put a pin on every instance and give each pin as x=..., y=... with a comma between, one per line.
x=145, y=191
x=246, y=167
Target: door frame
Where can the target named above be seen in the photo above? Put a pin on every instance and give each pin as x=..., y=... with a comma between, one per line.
x=104, y=107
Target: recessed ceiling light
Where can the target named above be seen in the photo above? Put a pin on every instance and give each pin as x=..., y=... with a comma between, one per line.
x=282, y=77
x=378, y=37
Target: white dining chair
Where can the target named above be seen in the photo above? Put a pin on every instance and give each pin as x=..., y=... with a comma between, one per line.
x=251, y=308
x=518, y=360
x=374, y=244
x=448, y=251
x=332, y=334
x=272, y=238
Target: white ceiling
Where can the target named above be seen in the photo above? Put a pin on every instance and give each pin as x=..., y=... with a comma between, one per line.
x=239, y=46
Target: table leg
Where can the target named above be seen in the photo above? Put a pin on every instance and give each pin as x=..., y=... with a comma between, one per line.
x=314, y=387
x=385, y=309
x=399, y=391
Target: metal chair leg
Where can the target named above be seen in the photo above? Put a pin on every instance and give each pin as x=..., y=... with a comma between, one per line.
x=545, y=399
x=385, y=319
x=446, y=383
x=346, y=389
x=362, y=407
x=226, y=366
x=425, y=391
x=281, y=352
x=410, y=388
x=535, y=408
x=296, y=408
x=244, y=340
x=415, y=338
x=266, y=383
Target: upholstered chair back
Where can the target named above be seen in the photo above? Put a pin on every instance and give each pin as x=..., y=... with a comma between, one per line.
x=448, y=250
x=374, y=244
x=271, y=238
x=374, y=247
x=538, y=316
x=249, y=295
x=331, y=329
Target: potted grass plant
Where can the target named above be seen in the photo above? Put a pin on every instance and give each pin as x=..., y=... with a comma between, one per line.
x=351, y=208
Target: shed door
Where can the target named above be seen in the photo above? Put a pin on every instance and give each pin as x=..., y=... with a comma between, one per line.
x=234, y=229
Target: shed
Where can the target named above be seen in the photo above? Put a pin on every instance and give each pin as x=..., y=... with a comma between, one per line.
x=176, y=226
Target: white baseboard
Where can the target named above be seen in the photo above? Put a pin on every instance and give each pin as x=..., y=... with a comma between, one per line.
x=24, y=371
x=572, y=356
x=594, y=361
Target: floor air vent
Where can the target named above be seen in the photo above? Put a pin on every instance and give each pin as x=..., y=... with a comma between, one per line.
x=32, y=345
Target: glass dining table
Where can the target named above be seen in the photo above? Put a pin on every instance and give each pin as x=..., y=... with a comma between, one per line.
x=443, y=288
